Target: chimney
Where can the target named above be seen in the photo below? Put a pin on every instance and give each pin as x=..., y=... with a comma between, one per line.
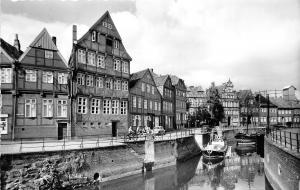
x=54, y=40
x=17, y=43
x=74, y=33
x=151, y=70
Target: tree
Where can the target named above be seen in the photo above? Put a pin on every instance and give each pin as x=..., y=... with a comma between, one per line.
x=215, y=107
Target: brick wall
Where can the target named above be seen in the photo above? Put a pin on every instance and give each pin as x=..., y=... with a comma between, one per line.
x=281, y=168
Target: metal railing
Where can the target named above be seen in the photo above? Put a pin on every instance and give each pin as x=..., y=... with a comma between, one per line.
x=288, y=139
x=82, y=142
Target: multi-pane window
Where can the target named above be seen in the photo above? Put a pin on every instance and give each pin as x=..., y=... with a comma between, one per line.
x=123, y=109
x=114, y=107
x=125, y=67
x=117, y=64
x=30, y=76
x=95, y=106
x=6, y=75
x=134, y=101
x=47, y=108
x=155, y=106
x=106, y=106
x=143, y=87
x=116, y=44
x=80, y=79
x=30, y=108
x=107, y=25
x=101, y=61
x=99, y=82
x=117, y=85
x=48, y=54
x=91, y=58
x=62, y=108
x=152, y=89
x=89, y=80
x=109, y=83
x=139, y=102
x=47, y=77
x=81, y=56
x=125, y=85
x=82, y=105
x=145, y=104
x=62, y=78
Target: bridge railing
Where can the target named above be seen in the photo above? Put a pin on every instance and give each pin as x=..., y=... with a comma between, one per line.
x=288, y=139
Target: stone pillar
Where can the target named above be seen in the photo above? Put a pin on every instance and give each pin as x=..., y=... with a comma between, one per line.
x=149, y=154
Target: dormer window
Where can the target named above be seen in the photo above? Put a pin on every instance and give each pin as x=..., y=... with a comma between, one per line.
x=94, y=36
x=48, y=54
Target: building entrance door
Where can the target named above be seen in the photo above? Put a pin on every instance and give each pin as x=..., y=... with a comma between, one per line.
x=114, y=128
x=62, y=130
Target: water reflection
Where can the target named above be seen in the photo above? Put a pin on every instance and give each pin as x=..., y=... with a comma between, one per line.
x=243, y=169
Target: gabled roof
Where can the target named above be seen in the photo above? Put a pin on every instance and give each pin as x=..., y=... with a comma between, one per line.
x=160, y=80
x=174, y=79
x=138, y=75
x=280, y=103
x=10, y=50
x=287, y=87
x=44, y=41
x=195, y=92
x=243, y=94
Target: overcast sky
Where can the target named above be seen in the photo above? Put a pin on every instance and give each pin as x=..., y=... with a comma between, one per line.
x=255, y=43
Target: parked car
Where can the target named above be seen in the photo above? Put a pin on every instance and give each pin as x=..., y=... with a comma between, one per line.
x=158, y=130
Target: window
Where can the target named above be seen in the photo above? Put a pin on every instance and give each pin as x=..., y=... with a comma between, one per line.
x=62, y=78
x=115, y=107
x=89, y=80
x=101, y=61
x=30, y=76
x=82, y=105
x=125, y=67
x=48, y=54
x=159, y=106
x=116, y=45
x=145, y=104
x=139, y=102
x=106, y=106
x=94, y=36
x=155, y=106
x=150, y=105
x=6, y=75
x=62, y=108
x=148, y=88
x=80, y=79
x=109, y=83
x=125, y=85
x=47, y=77
x=134, y=101
x=124, y=108
x=99, y=82
x=143, y=87
x=107, y=25
x=117, y=63
x=47, y=108
x=95, y=106
x=81, y=56
x=152, y=89
x=91, y=59
x=30, y=108
x=117, y=85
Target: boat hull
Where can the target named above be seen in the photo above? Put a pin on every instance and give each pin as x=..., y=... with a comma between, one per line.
x=214, y=154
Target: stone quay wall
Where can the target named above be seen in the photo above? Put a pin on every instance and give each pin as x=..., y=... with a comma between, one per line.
x=282, y=168
x=74, y=168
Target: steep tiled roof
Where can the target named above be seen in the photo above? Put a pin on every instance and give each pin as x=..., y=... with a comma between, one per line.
x=196, y=92
x=281, y=103
x=138, y=75
x=160, y=80
x=174, y=79
x=10, y=50
x=243, y=94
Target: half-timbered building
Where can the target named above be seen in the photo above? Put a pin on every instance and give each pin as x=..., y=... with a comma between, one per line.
x=100, y=79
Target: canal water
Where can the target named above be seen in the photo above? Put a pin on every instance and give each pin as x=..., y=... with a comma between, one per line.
x=243, y=169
